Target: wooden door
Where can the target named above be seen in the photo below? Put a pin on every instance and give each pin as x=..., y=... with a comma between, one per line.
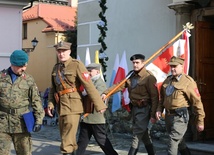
x=204, y=70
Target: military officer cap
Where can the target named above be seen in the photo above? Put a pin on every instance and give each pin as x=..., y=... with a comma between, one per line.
x=137, y=56
x=19, y=58
x=62, y=45
x=176, y=61
x=93, y=66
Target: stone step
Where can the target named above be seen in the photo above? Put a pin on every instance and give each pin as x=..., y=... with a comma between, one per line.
x=198, y=148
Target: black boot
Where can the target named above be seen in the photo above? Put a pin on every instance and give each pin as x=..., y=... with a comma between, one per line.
x=132, y=151
x=150, y=149
x=185, y=151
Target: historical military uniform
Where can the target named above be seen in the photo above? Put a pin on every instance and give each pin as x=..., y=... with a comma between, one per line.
x=73, y=74
x=177, y=95
x=94, y=123
x=144, y=97
x=18, y=94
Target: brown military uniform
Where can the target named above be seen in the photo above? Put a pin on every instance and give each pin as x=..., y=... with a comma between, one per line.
x=144, y=91
x=144, y=97
x=185, y=95
x=74, y=74
x=177, y=94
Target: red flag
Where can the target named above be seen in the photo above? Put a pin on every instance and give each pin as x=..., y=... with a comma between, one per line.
x=120, y=75
x=160, y=68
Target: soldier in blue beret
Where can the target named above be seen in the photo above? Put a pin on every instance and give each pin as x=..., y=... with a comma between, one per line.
x=19, y=94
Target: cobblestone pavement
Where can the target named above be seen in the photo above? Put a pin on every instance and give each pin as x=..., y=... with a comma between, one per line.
x=47, y=142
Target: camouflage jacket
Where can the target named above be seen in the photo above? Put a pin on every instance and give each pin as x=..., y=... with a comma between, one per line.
x=16, y=99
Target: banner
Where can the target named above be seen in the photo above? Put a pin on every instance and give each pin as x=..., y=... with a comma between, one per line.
x=160, y=68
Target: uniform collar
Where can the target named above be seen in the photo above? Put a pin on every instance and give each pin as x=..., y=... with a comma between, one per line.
x=65, y=64
x=142, y=72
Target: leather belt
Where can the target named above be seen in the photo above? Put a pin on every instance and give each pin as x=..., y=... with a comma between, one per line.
x=13, y=111
x=170, y=112
x=65, y=91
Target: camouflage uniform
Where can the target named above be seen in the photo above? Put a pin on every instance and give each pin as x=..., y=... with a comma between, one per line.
x=16, y=99
x=69, y=108
x=143, y=95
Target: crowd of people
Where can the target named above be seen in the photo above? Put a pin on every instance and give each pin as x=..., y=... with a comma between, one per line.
x=73, y=83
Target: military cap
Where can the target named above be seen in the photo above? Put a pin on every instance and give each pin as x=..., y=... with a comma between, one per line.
x=19, y=58
x=176, y=61
x=137, y=56
x=93, y=66
x=62, y=45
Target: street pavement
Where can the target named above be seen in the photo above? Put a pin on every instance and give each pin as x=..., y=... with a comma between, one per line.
x=47, y=142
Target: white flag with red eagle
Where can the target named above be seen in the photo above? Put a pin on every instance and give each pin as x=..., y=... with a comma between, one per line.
x=160, y=68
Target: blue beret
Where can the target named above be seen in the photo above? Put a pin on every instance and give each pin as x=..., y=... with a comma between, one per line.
x=137, y=56
x=19, y=58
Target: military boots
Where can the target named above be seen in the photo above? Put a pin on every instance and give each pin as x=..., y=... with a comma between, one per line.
x=185, y=151
x=132, y=151
x=150, y=149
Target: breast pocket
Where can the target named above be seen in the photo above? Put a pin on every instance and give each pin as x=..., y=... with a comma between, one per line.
x=178, y=93
x=70, y=76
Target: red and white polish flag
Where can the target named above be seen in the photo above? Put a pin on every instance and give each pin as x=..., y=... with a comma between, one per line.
x=160, y=68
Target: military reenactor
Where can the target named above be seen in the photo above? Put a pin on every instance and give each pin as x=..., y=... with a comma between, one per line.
x=95, y=123
x=178, y=93
x=67, y=77
x=143, y=94
x=18, y=95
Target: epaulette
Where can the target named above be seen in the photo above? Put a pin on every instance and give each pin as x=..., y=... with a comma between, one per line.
x=75, y=60
x=189, y=77
x=149, y=72
x=3, y=73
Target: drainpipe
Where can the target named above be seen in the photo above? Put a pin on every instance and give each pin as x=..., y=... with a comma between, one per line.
x=31, y=4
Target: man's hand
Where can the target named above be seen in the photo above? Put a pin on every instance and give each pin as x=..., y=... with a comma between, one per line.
x=103, y=96
x=50, y=111
x=37, y=127
x=102, y=111
x=153, y=120
x=200, y=128
x=158, y=115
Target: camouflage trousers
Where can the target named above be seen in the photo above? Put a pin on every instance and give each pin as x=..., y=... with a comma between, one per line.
x=22, y=143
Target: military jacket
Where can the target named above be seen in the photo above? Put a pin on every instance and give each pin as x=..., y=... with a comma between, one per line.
x=185, y=94
x=21, y=95
x=76, y=74
x=95, y=117
x=141, y=87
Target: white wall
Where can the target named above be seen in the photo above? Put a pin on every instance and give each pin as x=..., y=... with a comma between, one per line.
x=11, y=32
x=139, y=26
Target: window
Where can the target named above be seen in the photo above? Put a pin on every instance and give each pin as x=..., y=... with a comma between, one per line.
x=24, y=31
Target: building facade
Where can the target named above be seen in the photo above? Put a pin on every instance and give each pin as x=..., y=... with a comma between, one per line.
x=144, y=26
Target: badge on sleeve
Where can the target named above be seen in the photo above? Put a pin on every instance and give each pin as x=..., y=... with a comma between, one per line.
x=85, y=76
x=197, y=92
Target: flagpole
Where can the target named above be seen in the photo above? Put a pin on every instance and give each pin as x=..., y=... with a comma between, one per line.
x=112, y=91
x=186, y=27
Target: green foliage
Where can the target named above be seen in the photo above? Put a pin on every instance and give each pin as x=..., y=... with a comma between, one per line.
x=102, y=26
x=72, y=38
